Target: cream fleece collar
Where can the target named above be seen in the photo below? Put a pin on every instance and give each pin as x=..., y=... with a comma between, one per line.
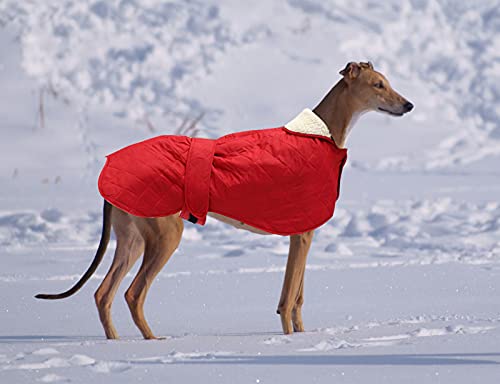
x=308, y=122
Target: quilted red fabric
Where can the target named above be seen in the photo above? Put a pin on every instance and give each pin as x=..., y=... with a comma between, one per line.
x=280, y=181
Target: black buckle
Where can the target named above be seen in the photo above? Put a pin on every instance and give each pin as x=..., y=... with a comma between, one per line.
x=192, y=219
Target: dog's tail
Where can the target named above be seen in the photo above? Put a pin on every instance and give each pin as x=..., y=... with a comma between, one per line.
x=106, y=232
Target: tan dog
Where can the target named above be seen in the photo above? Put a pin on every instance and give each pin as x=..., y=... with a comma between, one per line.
x=361, y=89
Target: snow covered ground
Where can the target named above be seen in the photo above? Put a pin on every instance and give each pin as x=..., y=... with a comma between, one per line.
x=403, y=284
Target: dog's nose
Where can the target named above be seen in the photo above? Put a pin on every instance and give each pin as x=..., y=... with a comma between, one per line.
x=408, y=106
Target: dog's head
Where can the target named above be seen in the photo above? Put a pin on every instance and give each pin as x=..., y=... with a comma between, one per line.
x=371, y=90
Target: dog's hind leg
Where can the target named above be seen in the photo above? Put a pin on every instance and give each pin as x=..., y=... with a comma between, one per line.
x=291, y=292
x=129, y=246
x=162, y=237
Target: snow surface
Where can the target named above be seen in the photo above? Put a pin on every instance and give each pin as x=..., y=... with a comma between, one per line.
x=402, y=285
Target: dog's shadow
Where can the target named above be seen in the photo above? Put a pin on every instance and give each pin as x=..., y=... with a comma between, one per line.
x=438, y=359
x=12, y=339
x=370, y=360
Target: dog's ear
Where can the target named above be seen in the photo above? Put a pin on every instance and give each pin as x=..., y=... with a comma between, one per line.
x=367, y=65
x=351, y=71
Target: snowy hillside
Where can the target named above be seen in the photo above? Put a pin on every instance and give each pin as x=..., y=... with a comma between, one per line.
x=402, y=284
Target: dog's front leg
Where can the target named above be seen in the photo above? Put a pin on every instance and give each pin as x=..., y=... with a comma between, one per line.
x=298, y=324
x=291, y=295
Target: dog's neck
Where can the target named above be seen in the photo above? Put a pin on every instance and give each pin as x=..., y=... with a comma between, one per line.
x=339, y=112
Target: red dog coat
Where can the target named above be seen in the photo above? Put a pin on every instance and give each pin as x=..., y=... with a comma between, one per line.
x=281, y=180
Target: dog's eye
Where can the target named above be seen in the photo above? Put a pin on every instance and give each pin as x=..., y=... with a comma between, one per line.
x=379, y=85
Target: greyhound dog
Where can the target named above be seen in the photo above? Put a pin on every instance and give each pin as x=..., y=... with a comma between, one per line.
x=361, y=89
